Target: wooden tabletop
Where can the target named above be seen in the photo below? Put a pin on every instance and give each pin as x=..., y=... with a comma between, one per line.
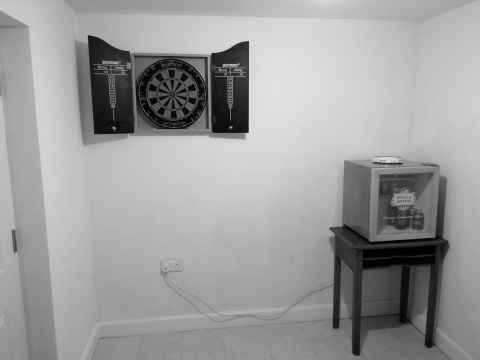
x=359, y=242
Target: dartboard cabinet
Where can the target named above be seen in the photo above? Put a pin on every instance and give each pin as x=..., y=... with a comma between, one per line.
x=148, y=94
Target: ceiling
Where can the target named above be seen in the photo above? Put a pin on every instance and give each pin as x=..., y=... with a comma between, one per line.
x=353, y=9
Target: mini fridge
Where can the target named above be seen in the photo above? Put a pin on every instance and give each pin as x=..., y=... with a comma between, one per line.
x=391, y=202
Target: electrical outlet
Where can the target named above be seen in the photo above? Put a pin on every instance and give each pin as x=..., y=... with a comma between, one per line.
x=171, y=265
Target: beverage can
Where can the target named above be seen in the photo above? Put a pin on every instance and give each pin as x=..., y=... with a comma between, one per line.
x=418, y=220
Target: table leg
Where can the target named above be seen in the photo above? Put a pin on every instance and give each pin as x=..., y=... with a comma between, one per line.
x=337, y=274
x=405, y=284
x=432, y=298
x=357, y=304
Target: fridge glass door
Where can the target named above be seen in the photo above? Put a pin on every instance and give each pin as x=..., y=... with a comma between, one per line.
x=405, y=204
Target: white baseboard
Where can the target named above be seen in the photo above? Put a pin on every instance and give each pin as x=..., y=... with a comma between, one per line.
x=446, y=344
x=91, y=343
x=108, y=329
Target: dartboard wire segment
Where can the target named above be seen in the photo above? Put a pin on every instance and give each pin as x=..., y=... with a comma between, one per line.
x=172, y=94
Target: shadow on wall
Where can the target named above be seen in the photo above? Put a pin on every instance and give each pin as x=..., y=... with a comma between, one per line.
x=86, y=112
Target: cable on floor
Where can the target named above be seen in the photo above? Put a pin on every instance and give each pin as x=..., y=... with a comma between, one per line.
x=221, y=317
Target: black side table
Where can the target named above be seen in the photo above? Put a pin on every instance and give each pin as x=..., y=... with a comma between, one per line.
x=359, y=254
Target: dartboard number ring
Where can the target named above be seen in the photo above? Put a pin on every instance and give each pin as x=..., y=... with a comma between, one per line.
x=172, y=94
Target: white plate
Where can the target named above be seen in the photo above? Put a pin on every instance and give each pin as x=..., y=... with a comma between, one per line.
x=387, y=160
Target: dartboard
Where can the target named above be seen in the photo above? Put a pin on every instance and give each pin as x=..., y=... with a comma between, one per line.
x=171, y=94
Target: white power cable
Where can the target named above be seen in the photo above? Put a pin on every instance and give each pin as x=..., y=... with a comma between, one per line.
x=224, y=317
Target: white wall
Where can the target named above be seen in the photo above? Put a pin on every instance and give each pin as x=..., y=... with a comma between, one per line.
x=250, y=216
x=66, y=207
x=447, y=130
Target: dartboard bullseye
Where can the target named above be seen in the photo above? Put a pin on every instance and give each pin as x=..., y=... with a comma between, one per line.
x=171, y=94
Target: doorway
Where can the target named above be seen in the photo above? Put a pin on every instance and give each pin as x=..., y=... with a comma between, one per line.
x=26, y=311
x=13, y=345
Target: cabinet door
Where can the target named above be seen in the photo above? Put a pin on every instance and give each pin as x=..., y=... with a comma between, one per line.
x=112, y=88
x=229, y=78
